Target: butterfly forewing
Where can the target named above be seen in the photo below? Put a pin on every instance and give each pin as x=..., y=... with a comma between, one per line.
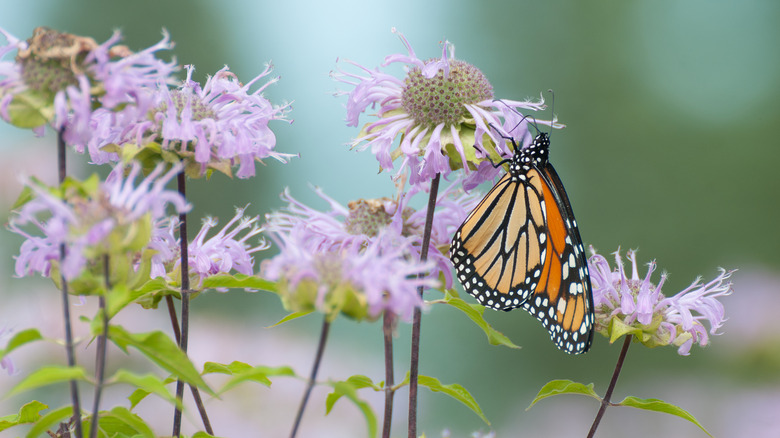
x=521, y=247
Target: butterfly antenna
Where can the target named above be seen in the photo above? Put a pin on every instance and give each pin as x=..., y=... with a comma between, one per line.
x=552, y=110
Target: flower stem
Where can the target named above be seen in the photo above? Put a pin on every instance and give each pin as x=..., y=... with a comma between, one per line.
x=312, y=376
x=413, y=369
x=100, y=355
x=605, y=401
x=387, y=329
x=185, y=297
x=74, y=389
x=194, y=389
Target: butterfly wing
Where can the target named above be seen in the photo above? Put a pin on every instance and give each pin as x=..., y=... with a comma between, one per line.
x=563, y=299
x=499, y=248
x=520, y=247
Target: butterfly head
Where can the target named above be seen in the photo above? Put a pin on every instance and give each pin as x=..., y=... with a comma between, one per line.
x=535, y=155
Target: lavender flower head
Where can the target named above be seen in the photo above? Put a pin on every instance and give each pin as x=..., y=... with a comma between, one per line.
x=214, y=127
x=111, y=218
x=56, y=78
x=371, y=247
x=226, y=251
x=636, y=306
x=443, y=108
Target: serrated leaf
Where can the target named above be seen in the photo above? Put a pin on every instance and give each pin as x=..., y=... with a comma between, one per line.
x=349, y=391
x=360, y=382
x=148, y=382
x=290, y=317
x=653, y=404
x=160, y=349
x=453, y=390
x=29, y=413
x=238, y=281
x=47, y=376
x=564, y=386
x=49, y=420
x=19, y=339
x=475, y=313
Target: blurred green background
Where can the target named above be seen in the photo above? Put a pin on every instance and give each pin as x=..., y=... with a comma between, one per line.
x=671, y=147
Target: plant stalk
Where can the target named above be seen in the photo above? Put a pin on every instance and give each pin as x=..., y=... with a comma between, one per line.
x=612, y=383
x=388, y=324
x=313, y=376
x=413, y=369
x=71, y=357
x=185, y=297
x=100, y=354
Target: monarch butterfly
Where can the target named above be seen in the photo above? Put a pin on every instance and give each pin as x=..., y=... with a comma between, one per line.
x=520, y=247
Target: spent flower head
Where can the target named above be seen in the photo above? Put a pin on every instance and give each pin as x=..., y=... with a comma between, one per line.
x=443, y=108
x=637, y=306
x=59, y=79
x=217, y=126
x=91, y=219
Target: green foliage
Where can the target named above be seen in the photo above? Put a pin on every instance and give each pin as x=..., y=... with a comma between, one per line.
x=49, y=420
x=653, y=404
x=31, y=109
x=238, y=281
x=29, y=413
x=120, y=421
x=348, y=389
x=21, y=338
x=557, y=387
x=160, y=349
x=453, y=390
x=476, y=312
x=48, y=375
x=290, y=317
x=242, y=372
x=148, y=383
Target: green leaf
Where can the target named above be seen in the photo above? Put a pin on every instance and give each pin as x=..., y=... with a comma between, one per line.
x=455, y=391
x=19, y=339
x=46, y=376
x=48, y=421
x=653, y=404
x=349, y=391
x=238, y=281
x=160, y=349
x=202, y=434
x=124, y=419
x=243, y=372
x=475, y=313
x=148, y=383
x=31, y=109
x=29, y=413
x=564, y=386
x=291, y=316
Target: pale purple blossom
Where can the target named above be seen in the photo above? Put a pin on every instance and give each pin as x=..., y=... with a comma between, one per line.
x=440, y=102
x=109, y=77
x=226, y=251
x=333, y=229
x=84, y=223
x=637, y=302
x=219, y=125
x=380, y=270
